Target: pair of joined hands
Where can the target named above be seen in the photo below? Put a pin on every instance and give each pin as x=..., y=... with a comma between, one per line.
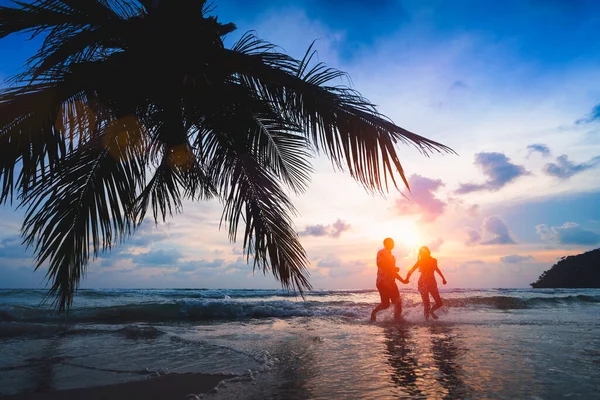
x=405, y=281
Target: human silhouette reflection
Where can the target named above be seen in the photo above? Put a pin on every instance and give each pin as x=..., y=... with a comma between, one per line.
x=403, y=360
x=405, y=351
x=445, y=355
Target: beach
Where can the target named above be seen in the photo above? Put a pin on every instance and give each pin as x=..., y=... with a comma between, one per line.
x=173, y=386
x=222, y=344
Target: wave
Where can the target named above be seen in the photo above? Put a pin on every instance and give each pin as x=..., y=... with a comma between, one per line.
x=186, y=293
x=228, y=309
x=188, y=310
x=515, y=303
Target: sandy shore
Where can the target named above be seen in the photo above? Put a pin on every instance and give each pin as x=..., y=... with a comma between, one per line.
x=165, y=387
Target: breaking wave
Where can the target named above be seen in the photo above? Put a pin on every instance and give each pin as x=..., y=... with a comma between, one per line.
x=207, y=309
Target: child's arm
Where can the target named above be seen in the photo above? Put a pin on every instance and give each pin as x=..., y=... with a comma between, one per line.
x=440, y=272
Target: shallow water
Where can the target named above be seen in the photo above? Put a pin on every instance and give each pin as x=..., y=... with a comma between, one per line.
x=487, y=343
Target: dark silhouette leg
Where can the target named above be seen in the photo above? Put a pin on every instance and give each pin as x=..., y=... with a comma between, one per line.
x=385, y=301
x=380, y=307
x=398, y=309
x=438, y=302
x=425, y=297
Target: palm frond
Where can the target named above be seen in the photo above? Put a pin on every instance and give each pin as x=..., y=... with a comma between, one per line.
x=282, y=150
x=95, y=113
x=83, y=208
x=82, y=46
x=337, y=120
x=37, y=127
x=75, y=30
x=251, y=193
x=280, y=145
x=42, y=15
x=162, y=193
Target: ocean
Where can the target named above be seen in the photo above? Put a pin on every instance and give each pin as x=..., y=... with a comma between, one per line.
x=494, y=343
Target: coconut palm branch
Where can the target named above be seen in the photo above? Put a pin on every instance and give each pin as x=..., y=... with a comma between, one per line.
x=135, y=106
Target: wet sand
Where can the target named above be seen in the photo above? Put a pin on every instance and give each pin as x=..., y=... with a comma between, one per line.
x=165, y=387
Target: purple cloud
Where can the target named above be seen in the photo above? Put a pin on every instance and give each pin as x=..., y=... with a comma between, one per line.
x=423, y=200
x=473, y=237
x=496, y=230
x=334, y=230
x=499, y=170
x=436, y=244
x=563, y=168
x=539, y=148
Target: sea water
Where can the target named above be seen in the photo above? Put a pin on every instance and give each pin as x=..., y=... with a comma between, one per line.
x=503, y=343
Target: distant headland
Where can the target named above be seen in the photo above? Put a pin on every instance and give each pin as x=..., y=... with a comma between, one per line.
x=580, y=271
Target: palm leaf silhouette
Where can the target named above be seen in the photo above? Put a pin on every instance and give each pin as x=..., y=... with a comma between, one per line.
x=132, y=106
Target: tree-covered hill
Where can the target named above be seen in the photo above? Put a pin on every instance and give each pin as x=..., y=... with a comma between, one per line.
x=580, y=271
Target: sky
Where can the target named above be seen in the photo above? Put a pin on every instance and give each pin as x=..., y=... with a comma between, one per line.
x=513, y=87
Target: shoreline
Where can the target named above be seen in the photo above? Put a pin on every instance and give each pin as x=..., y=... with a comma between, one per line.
x=165, y=387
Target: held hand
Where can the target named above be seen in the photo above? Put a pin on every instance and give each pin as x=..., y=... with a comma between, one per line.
x=397, y=269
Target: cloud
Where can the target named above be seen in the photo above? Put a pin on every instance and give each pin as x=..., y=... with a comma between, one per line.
x=334, y=230
x=423, y=200
x=493, y=231
x=436, y=244
x=195, y=265
x=11, y=247
x=458, y=85
x=460, y=206
x=499, y=170
x=334, y=267
x=563, y=168
x=329, y=261
x=239, y=265
x=515, y=259
x=472, y=210
x=146, y=234
x=159, y=257
x=594, y=115
x=338, y=227
x=473, y=237
x=538, y=148
x=478, y=264
x=496, y=230
x=238, y=251
x=348, y=268
x=568, y=233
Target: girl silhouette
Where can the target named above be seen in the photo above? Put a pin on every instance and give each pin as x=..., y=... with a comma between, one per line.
x=427, y=285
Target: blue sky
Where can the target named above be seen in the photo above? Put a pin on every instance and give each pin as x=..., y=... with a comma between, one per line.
x=513, y=87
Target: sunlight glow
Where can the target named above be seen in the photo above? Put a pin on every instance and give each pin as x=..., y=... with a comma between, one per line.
x=404, y=231
x=408, y=234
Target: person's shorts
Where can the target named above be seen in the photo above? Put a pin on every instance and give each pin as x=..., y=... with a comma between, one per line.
x=388, y=293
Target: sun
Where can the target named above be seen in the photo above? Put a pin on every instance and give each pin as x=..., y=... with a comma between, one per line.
x=407, y=234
